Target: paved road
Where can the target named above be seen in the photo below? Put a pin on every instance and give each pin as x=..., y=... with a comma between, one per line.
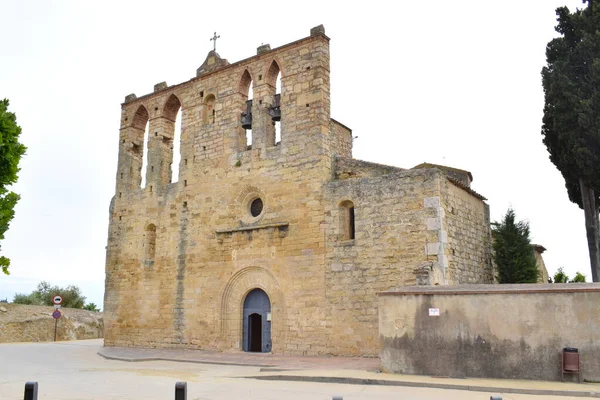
x=74, y=371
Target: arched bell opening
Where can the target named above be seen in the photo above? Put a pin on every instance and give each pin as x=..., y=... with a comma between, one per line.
x=246, y=118
x=274, y=83
x=173, y=114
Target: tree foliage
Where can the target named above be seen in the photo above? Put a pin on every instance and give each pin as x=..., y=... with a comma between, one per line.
x=571, y=122
x=42, y=296
x=10, y=155
x=560, y=276
x=91, y=307
x=513, y=252
x=579, y=278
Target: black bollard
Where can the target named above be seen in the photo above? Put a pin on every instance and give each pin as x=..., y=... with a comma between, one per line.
x=31, y=390
x=181, y=391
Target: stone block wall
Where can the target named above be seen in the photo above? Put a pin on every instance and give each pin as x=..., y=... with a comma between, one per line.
x=390, y=241
x=468, y=233
x=341, y=139
x=207, y=250
x=183, y=252
x=347, y=168
x=490, y=331
x=539, y=262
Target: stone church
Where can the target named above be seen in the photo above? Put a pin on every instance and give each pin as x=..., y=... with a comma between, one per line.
x=272, y=238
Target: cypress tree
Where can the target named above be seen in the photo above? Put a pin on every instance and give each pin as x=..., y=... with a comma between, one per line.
x=571, y=123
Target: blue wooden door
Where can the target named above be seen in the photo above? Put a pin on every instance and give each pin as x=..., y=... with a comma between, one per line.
x=257, y=328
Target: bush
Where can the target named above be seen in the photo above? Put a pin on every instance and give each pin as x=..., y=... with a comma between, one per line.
x=91, y=307
x=560, y=276
x=44, y=293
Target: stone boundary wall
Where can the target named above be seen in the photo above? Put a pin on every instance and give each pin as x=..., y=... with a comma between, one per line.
x=26, y=323
x=491, y=331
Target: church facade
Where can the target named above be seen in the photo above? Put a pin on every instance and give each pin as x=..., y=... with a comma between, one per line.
x=272, y=242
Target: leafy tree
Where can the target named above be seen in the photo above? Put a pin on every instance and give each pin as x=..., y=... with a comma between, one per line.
x=560, y=276
x=91, y=307
x=30, y=299
x=44, y=293
x=571, y=122
x=10, y=154
x=579, y=278
x=513, y=253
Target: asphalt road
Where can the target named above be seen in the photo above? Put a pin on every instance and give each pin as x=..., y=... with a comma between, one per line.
x=74, y=371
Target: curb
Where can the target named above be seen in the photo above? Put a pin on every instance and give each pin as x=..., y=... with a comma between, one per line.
x=383, y=382
x=180, y=360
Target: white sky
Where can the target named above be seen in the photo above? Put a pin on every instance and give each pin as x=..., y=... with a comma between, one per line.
x=448, y=82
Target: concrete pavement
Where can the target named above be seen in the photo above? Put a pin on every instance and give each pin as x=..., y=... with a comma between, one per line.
x=349, y=370
x=74, y=371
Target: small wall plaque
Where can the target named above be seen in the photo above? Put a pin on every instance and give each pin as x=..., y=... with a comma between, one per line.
x=434, y=312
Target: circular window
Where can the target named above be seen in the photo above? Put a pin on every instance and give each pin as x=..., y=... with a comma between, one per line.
x=256, y=207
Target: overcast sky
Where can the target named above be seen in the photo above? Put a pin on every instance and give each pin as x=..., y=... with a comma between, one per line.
x=448, y=82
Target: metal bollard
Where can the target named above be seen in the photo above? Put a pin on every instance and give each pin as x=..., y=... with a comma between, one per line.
x=495, y=397
x=337, y=398
x=31, y=390
x=181, y=391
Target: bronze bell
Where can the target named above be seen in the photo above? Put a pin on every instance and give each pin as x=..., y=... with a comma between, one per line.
x=247, y=116
x=275, y=110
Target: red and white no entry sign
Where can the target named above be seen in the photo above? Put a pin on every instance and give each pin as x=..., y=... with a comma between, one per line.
x=57, y=299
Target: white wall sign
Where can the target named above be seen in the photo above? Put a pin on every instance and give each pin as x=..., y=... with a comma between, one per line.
x=434, y=312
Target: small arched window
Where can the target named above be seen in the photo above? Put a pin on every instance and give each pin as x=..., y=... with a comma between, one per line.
x=347, y=222
x=209, y=110
x=150, y=245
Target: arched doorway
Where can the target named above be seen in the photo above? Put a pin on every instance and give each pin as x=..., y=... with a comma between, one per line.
x=257, y=322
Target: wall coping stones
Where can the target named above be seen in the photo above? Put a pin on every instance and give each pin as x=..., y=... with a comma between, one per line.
x=466, y=188
x=493, y=289
x=236, y=64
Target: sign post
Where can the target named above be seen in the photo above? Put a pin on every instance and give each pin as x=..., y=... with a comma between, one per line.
x=57, y=300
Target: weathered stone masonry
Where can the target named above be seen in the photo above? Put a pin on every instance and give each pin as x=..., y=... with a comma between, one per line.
x=332, y=231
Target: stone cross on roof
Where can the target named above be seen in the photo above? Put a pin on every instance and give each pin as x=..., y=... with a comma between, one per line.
x=214, y=38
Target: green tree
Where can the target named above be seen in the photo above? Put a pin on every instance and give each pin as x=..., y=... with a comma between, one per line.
x=44, y=293
x=579, y=278
x=91, y=307
x=30, y=299
x=10, y=155
x=571, y=122
x=560, y=276
x=513, y=253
